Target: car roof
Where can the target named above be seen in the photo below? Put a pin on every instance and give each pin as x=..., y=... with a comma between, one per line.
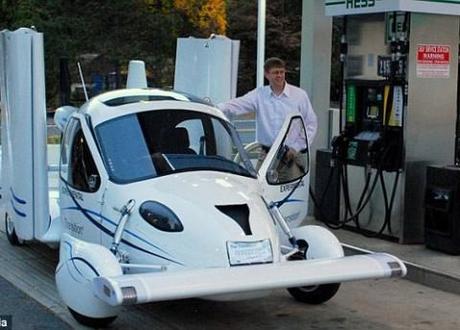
x=131, y=95
x=117, y=103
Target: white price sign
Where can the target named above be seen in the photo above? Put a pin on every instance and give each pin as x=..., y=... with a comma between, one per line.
x=245, y=253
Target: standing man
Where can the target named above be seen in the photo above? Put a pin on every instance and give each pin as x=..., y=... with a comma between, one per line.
x=271, y=104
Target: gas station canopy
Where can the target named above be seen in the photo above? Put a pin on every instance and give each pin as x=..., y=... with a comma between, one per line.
x=350, y=7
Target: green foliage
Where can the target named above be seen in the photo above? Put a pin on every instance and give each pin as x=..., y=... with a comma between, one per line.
x=205, y=16
x=115, y=30
x=54, y=139
x=147, y=29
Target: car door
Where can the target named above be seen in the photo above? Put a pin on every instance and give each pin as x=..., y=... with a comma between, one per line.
x=284, y=173
x=81, y=185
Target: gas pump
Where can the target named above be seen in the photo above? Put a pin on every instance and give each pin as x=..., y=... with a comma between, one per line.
x=374, y=109
x=398, y=60
x=372, y=134
x=373, y=128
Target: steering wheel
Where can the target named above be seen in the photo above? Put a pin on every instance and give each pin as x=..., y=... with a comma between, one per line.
x=250, y=149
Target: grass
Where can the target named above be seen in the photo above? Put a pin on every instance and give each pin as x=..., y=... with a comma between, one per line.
x=54, y=139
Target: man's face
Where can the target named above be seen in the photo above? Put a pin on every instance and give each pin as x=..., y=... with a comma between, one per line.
x=276, y=77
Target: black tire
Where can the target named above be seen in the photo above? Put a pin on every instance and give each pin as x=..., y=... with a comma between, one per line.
x=11, y=233
x=316, y=294
x=92, y=322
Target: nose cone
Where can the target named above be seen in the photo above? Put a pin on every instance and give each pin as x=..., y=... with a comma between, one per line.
x=214, y=209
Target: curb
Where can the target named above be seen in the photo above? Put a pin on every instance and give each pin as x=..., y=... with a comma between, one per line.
x=418, y=273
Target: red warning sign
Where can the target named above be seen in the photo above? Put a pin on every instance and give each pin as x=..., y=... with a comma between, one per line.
x=433, y=61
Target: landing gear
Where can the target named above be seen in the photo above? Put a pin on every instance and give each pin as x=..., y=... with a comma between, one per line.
x=80, y=263
x=92, y=322
x=11, y=233
x=321, y=244
x=315, y=294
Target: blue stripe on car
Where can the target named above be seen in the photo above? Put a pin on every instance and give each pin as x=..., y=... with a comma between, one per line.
x=291, y=201
x=110, y=233
x=21, y=214
x=16, y=198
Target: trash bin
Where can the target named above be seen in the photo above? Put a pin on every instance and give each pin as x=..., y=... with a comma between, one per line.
x=442, y=209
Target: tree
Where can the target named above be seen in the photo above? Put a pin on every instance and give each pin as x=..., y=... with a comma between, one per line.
x=203, y=16
x=148, y=29
x=116, y=30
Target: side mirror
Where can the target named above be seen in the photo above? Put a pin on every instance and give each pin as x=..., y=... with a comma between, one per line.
x=62, y=115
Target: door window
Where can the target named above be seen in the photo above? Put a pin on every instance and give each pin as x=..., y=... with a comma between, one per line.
x=78, y=168
x=292, y=158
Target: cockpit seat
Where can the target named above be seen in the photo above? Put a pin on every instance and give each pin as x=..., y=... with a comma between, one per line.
x=178, y=142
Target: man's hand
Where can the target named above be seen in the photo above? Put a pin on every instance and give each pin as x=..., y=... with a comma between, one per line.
x=289, y=156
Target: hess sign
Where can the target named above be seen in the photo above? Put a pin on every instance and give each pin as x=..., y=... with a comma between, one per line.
x=359, y=3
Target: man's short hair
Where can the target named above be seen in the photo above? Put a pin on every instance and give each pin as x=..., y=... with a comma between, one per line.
x=274, y=62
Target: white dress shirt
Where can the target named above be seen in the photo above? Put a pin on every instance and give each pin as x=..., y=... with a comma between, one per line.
x=271, y=110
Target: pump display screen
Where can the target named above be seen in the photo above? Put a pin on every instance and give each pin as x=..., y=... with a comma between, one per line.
x=372, y=111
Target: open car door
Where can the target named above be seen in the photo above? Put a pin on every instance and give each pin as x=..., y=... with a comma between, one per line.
x=284, y=173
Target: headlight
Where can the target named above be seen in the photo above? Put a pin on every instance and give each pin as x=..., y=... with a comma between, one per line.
x=160, y=216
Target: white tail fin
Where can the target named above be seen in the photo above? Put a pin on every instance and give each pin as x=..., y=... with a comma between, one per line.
x=24, y=158
x=207, y=68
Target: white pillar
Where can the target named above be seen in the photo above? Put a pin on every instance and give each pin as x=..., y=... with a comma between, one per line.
x=315, y=70
x=262, y=8
x=315, y=63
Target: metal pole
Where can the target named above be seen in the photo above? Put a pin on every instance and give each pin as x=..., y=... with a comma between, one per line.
x=261, y=42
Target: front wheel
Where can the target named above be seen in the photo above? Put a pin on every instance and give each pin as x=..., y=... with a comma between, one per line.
x=315, y=294
x=11, y=232
x=92, y=322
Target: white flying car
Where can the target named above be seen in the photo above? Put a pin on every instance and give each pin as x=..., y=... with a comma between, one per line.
x=159, y=200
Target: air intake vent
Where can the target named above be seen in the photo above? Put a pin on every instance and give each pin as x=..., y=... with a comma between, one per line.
x=239, y=213
x=136, y=98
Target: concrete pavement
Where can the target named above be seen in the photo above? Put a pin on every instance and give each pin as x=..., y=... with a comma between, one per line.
x=24, y=312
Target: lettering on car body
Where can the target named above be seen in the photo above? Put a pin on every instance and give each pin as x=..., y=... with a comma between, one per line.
x=288, y=187
x=73, y=228
x=77, y=195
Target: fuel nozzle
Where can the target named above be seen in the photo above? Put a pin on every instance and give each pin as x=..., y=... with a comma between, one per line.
x=339, y=149
x=343, y=48
x=375, y=152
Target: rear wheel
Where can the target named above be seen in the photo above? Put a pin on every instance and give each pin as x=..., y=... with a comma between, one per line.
x=92, y=322
x=11, y=232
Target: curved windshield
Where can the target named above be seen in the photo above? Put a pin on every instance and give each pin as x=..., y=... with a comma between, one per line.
x=148, y=144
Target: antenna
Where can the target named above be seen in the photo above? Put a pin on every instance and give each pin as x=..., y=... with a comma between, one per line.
x=82, y=81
